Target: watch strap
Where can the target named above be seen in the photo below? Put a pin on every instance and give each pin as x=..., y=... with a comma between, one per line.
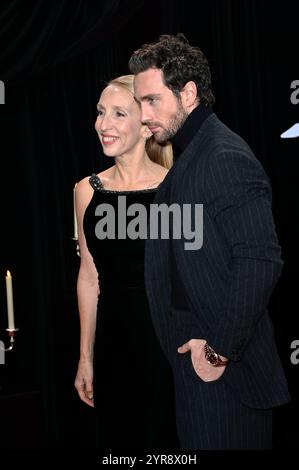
x=213, y=358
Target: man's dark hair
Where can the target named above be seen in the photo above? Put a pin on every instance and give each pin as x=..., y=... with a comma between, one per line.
x=180, y=63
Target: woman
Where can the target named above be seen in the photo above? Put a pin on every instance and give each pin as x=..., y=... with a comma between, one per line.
x=122, y=370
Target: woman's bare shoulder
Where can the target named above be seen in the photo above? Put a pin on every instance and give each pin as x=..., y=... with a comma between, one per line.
x=83, y=185
x=83, y=192
x=106, y=175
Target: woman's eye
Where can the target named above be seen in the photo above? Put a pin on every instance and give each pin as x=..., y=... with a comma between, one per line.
x=100, y=112
x=119, y=114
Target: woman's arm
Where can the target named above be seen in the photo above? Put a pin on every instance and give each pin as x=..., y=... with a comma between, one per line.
x=87, y=293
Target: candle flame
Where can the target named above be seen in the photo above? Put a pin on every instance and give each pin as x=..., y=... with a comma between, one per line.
x=8, y=274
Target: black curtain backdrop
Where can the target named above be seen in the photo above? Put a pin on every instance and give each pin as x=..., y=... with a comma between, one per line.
x=55, y=58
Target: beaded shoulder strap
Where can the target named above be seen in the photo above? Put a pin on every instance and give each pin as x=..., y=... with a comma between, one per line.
x=95, y=182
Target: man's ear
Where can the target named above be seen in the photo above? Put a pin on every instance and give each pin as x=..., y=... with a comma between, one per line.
x=189, y=95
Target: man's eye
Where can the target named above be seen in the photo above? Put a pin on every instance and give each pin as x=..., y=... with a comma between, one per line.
x=119, y=114
x=100, y=112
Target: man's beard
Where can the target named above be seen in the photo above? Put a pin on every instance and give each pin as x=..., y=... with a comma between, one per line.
x=174, y=124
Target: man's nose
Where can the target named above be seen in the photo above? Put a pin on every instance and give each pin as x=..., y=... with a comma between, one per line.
x=146, y=115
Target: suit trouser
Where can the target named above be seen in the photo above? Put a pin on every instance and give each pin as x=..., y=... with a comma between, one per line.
x=211, y=417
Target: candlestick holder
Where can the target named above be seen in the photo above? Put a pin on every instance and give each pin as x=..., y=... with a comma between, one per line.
x=11, y=333
x=75, y=239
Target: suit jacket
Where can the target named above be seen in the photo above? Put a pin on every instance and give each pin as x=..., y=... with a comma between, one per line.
x=229, y=280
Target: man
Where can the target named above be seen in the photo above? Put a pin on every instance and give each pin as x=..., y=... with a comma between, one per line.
x=209, y=306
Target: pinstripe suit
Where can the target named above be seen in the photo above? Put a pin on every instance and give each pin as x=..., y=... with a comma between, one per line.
x=227, y=285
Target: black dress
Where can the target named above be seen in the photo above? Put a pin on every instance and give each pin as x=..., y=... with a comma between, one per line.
x=133, y=385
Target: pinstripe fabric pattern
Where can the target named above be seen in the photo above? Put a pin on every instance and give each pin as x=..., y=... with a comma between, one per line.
x=227, y=283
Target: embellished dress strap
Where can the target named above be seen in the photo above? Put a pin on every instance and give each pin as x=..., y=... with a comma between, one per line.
x=95, y=182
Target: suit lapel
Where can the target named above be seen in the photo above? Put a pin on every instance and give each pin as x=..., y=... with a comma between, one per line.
x=157, y=272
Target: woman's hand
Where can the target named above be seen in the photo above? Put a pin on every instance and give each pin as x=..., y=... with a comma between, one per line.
x=84, y=381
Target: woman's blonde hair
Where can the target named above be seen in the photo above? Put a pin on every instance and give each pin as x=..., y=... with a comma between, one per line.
x=158, y=153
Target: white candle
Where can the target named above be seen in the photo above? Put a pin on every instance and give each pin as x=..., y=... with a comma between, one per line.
x=9, y=297
x=75, y=216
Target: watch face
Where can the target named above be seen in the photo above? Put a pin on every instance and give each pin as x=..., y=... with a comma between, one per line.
x=211, y=356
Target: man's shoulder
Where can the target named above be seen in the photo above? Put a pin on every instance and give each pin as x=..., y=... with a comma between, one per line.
x=216, y=145
x=218, y=149
x=217, y=136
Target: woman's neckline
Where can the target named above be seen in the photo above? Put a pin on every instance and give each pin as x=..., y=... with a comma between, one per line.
x=145, y=190
x=97, y=185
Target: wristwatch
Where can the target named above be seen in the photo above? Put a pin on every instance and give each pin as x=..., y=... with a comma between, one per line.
x=212, y=357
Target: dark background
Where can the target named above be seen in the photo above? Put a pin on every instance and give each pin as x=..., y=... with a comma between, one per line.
x=55, y=57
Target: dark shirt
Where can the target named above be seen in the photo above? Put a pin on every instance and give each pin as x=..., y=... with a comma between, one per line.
x=179, y=143
x=188, y=130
